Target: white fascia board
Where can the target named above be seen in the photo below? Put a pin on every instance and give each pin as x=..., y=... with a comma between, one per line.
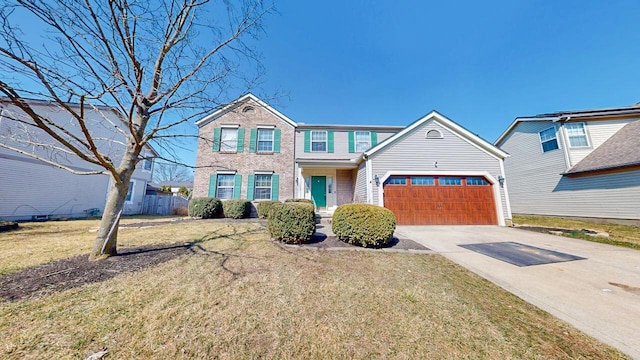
x=209, y=118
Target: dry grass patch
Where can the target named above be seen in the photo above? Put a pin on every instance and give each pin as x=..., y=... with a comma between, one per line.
x=243, y=296
x=619, y=235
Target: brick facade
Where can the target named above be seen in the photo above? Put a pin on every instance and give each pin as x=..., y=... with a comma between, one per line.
x=246, y=163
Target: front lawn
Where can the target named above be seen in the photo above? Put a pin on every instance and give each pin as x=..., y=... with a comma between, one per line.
x=619, y=235
x=240, y=295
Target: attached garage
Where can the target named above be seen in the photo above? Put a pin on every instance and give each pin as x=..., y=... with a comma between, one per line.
x=440, y=200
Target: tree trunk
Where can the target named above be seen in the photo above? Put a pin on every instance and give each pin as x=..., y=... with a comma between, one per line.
x=107, y=238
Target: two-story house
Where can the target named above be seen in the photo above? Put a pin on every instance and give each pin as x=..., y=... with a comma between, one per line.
x=432, y=171
x=582, y=164
x=32, y=189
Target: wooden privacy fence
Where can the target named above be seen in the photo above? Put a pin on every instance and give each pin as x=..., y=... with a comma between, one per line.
x=162, y=204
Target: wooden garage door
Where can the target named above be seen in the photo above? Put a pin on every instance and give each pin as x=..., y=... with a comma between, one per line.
x=440, y=200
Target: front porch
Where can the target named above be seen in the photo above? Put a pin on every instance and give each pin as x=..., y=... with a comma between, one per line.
x=328, y=187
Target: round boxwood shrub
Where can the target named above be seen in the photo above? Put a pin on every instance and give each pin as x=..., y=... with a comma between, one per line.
x=205, y=207
x=292, y=222
x=264, y=207
x=308, y=201
x=363, y=225
x=236, y=208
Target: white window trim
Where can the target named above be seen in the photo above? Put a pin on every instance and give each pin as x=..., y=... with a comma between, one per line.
x=255, y=185
x=229, y=127
x=326, y=141
x=492, y=180
x=555, y=128
x=132, y=187
x=586, y=135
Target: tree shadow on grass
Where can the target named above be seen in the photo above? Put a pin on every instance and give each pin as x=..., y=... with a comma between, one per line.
x=73, y=272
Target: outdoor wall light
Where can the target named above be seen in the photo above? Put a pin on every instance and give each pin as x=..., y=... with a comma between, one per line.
x=501, y=180
x=376, y=179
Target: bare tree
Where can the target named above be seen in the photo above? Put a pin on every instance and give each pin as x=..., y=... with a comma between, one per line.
x=159, y=63
x=165, y=172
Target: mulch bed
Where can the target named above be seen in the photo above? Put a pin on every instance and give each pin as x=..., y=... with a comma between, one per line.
x=322, y=241
x=77, y=271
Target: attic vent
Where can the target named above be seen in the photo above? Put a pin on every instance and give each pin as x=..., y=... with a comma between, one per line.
x=248, y=109
x=434, y=134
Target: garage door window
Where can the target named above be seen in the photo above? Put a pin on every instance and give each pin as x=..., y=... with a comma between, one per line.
x=451, y=181
x=477, y=181
x=396, y=180
x=423, y=180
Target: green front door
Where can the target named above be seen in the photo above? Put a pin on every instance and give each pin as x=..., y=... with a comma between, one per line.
x=319, y=190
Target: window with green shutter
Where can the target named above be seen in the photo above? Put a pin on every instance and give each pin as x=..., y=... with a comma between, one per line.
x=307, y=141
x=374, y=138
x=240, y=140
x=330, y=141
x=237, y=186
x=275, y=187
x=213, y=182
x=216, y=139
x=253, y=140
x=352, y=142
x=250, y=186
x=276, y=140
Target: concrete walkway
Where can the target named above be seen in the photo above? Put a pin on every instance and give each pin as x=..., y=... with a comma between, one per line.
x=599, y=295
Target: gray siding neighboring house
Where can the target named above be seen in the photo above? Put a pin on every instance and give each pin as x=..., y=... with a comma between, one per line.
x=34, y=189
x=591, y=169
x=339, y=164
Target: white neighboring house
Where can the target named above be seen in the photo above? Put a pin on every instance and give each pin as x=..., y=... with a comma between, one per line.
x=583, y=164
x=32, y=189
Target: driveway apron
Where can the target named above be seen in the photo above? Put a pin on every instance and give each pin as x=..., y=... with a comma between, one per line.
x=599, y=294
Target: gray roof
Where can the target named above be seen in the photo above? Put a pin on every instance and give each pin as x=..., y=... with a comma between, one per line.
x=619, y=151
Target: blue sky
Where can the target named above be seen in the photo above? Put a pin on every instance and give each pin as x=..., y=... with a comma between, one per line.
x=479, y=63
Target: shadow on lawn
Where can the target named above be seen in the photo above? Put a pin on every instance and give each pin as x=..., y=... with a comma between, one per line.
x=76, y=271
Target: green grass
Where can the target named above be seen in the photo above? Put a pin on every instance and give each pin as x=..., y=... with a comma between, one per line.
x=243, y=296
x=619, y=235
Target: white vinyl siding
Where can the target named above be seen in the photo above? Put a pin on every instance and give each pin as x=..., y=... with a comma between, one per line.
x=598, y=131
x=360, y=195
x=577, y=134
x=340, y=143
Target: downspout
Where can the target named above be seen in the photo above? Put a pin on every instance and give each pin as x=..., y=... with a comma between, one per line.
x=295, y=172
x=565, y=142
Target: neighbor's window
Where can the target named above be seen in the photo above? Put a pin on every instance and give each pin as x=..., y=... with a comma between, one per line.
x=477, y=181
x=396, y=180
x=130, y=191
x=363, y=140
x=262, y=187
x=147, y=164
x=319, y=141
x=450, y=181
x=265, y=140
x=423, y=180
x=225, y=184
x=229, y=139
x=577, y=135
x=548, y=139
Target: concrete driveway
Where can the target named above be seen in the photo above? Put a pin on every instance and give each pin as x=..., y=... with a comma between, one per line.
x=599, y=295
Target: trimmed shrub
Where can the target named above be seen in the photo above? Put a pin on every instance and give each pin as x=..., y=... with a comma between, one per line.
x=236, y=208
x=308, y=201
x=264, y=207
x=292, y=222
x=363, y=225
x=205, y=207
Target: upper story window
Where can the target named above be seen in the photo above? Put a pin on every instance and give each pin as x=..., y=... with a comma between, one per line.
x=147, y=164
x=224, y=187
x=129, y=197
x=434, y=134
x=548, y=139
x=363, y=140
x=229, y=139
x=265, y=140
x=248, y=109
x=577, y=135
x=318, y=141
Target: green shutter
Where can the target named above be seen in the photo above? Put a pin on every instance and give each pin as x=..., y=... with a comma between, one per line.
x=374, y=138
x=275, y=187
x=276, y=140
x=330, y=141
x=216, y=139
x=251, y=184
x=307, y=140
x=213, y=183
x=240, y=140
x=352, y=142
x=237, y=186
x=253, y=139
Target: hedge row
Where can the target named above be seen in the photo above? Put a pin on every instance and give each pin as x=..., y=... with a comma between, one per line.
x=363, y=225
